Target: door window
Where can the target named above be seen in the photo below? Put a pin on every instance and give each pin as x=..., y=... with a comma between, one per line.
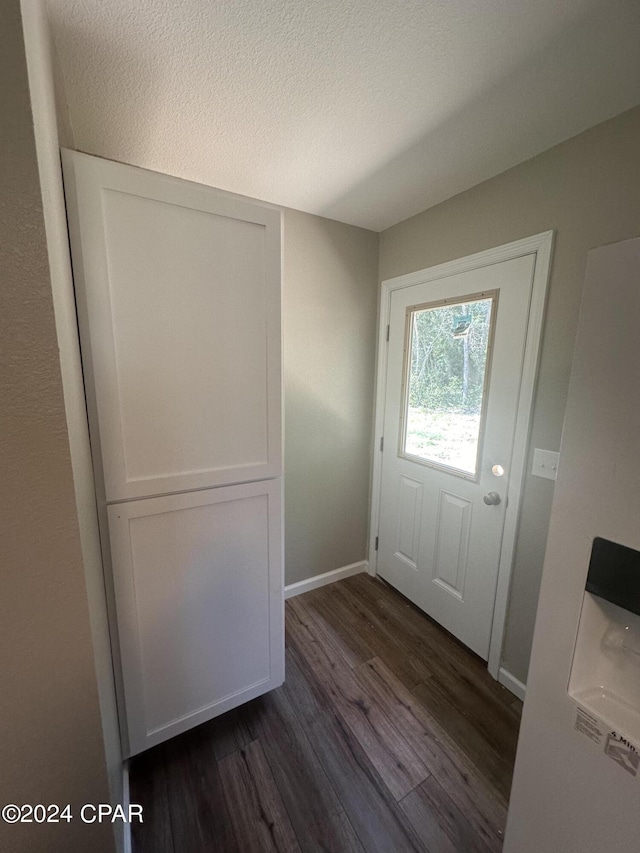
x=447, y=365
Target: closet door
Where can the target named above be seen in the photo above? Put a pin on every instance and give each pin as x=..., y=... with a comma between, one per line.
x=198, y=587
x=178, y=291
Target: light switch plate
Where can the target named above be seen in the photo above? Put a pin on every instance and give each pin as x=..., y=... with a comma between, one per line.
x=545, y=463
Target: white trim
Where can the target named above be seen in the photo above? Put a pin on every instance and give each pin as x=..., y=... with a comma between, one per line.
x=307, y=585
x=126, y=802
x=521, y=445
x=512, y=683
x=540, y=245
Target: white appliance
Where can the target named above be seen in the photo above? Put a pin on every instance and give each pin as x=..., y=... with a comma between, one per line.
x=577, y=778
x=178, y=293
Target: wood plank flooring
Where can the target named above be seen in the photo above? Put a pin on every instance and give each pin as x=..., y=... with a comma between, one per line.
x=387, y=736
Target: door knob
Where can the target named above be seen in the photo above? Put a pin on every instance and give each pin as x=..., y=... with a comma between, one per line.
x=492, y=499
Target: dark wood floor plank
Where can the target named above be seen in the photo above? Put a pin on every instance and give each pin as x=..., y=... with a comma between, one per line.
x=328, y=604
x=441, y=653
x=229, y=733
x=387, y=644
x=517, y=707
x=148, y=788
x=464, y=782
x=312, y=701
x=379, y=822
x=388, y=736
x=402, y=619
x=337, y=635
x=318, y=818
x=496, y=723
x=439, y=822
x=467, y=677
x=495, y=767
x=387, y=750
x=260, y=821
x=461, y=677
x=199, y=816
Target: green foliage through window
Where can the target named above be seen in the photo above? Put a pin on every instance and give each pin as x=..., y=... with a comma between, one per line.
x=447, y=372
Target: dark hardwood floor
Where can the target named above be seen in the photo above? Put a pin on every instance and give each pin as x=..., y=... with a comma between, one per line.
x=387, y=736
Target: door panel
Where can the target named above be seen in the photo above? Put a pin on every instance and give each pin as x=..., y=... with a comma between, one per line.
x=452, y=543
x=181, y=328
x=439, y=542
x=409, y=517
x=199, y=601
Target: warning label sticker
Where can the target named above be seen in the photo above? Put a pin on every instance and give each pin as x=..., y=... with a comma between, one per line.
x=624, y=753
x=616, y=747
x=589, y=726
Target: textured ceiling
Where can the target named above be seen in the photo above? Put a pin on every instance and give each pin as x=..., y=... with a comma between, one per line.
x=365, y=111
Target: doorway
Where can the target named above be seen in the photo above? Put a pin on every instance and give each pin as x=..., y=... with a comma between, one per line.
x=457, y=360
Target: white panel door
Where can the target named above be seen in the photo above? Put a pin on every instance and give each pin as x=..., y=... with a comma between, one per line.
x=179, y=303
x=455, y=359
x=198, y=586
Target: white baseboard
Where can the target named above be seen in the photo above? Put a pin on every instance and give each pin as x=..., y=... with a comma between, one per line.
x=322, y=580
x=512, y=683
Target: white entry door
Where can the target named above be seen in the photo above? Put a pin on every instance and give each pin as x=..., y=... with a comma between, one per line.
x=454, y=367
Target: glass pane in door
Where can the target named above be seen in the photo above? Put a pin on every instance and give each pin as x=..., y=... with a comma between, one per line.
x=445, y=382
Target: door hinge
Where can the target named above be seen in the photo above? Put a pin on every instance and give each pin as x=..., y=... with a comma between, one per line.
x=381, y=444
x=376, y=548
x=388, y=327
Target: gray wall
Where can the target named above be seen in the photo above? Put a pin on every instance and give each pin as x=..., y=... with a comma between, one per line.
x=330, y=308
x=51, y=749
x=588, y=189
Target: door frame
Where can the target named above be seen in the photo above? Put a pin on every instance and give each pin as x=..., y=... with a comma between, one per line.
x=541, y=246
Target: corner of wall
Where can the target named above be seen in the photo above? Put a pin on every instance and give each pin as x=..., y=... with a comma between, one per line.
x=46, y=120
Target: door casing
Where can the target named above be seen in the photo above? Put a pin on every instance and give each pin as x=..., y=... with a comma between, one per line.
x=541, y=245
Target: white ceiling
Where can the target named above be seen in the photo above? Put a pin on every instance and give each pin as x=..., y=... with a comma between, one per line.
x=365, y=111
